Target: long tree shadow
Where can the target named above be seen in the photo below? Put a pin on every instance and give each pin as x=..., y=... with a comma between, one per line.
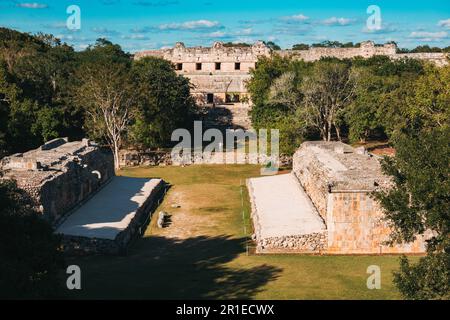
x=163, y=268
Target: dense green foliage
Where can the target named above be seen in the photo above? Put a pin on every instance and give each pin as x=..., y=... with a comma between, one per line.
x=44, y=93
x=419, y=203
x=378, y=98
x=30, y=259
x=170, y=106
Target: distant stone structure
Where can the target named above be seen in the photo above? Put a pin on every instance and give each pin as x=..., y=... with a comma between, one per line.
x=59, y=175
x=338, y=180
x=219, y=73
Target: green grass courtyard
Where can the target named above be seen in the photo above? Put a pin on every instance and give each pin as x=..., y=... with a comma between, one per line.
x=203, y=255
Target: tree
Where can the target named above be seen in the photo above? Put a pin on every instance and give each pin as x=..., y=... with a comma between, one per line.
x=164, y=103
x=272, y=45
x=426, y=48
x=30, y=258
x=419, y=203
x=285, y=91
x=300, y=46
x=327, y=91
x=106, y=93
x=263, y=76
x=428, y=105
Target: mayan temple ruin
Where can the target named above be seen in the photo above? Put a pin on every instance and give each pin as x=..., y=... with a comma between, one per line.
x=73, y=186
x=219, y=73
x=324, y=205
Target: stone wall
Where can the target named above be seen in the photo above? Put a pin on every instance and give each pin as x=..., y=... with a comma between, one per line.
x=68, y=173
x=339, y=181
x=75, y=245
x=131, y=158
x=355, y=225
x=312, y=176
x=315, y=243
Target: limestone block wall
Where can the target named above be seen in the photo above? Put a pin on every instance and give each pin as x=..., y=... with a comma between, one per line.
x=68, y=173
x=312, y=176
x=60, y=194
x=339, y=182
x=130, y=158
x=76, y=245
x=355, y=225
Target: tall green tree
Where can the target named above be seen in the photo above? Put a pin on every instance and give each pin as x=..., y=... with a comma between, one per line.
x=327, y=91
x=419, y=204
x=164, y=103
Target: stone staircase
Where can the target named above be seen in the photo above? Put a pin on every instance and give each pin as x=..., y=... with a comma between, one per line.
x=224, y=117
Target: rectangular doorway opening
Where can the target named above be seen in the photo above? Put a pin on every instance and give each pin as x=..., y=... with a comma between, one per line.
x=209, y=98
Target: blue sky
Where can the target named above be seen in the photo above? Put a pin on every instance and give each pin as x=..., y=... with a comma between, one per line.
x=150, y=24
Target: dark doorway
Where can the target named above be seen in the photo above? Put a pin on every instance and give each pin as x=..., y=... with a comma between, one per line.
x=209, y=98
x=232, y=98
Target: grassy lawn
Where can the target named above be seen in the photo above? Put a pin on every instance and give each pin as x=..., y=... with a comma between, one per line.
x=202, y=254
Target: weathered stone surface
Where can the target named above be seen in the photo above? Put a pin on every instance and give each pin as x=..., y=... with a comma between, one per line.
x=339, y=180
x=219, y=73
x=283, y=216
x=106, y=227
x=60, y=175
x=130, y=158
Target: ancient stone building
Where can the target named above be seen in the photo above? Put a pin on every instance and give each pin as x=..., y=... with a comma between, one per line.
x=59, y=175
x=334, y=183
x=219, y=73
x=74, y=187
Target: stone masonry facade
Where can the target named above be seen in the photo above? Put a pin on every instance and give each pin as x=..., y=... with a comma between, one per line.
x=219, y=73
x=339, y=180
x=59, y=175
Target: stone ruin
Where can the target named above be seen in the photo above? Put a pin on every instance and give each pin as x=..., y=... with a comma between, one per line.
x=74, y=187
x=338, y=181
x=59, y=175
x=219, y=73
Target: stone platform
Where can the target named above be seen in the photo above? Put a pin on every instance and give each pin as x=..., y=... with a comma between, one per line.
x=109, y=221
x=283, y=216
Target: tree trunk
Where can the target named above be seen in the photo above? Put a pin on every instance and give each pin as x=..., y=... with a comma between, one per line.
x=329, y=131
x=338, y=132
x=116, y=156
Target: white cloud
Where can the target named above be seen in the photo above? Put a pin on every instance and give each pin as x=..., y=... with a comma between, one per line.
x=296, y=18
x=32, y=5
x=190, y=25
x=444, y=23
x=385, y=28
x=334, y=21
x=105, y=31
x=428, y=36
x=136, y=37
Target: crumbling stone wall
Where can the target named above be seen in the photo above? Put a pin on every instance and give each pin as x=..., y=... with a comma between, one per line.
x=68, y=173
x=76, y=245
x=130, y=158
x=356, y=225
x=314, y=243
x=339, y=180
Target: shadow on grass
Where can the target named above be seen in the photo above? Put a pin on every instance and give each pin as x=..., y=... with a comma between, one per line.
x=162, y=268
